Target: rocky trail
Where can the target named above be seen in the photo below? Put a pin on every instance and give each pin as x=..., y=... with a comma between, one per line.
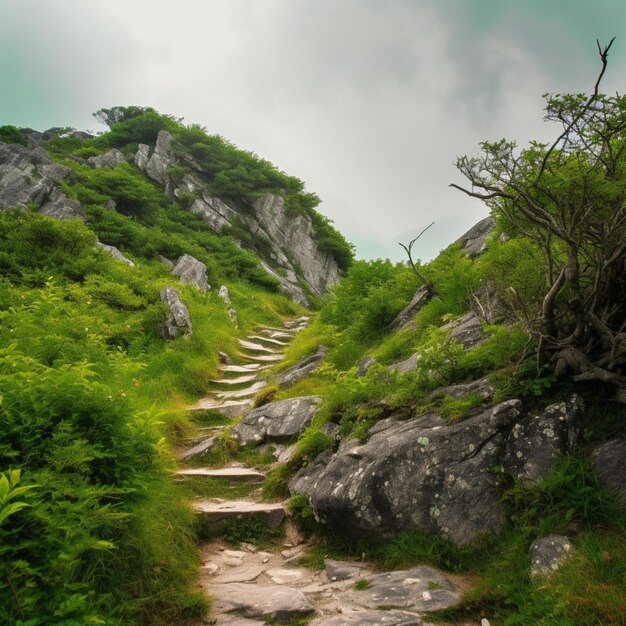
x=253, y=586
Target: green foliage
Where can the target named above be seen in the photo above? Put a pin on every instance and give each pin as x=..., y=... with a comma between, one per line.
x=250, y=530
x=10, y=490
x=361, y=585
x=302, y=513
x=11, y=134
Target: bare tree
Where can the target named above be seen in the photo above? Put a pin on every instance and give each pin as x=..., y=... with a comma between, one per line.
x=569, y=197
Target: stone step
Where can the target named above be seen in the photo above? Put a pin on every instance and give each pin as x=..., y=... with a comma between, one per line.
x=234, y=474
x=234, y=381
x=270, y=340
x=255, y=347
x=298, y=322
x=264, y=358
x=278, y=334
x=242, y=393
x=274, y=329
x=229, y=408
x=201, y=448
x=215, y=513
x=240, y=369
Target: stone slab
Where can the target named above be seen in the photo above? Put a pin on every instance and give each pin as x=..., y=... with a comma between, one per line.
x=234, y=474
x=215, y=514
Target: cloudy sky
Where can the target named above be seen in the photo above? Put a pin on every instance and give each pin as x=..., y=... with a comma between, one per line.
x=368, y=101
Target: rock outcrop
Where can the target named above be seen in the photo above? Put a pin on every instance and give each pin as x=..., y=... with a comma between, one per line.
x=302, y=369
x=548, y=553
x=178, y=320
x=429, y=475
x=191, y=271
x=473, y=241
x=115, y=253
x=609, y=461
x=276, y=421
x=109, y=160
x=285, y=243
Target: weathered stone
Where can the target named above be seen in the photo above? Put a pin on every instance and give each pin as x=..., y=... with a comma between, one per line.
x=242, y=393
x=236, y=620
x=161, y=159
x=285, y=576
x=547, y=554
x=109, y=160
x=216, y=514
x=255, y=347
x=419, y=590
x=224, y=358
x=276, y=421
x=473, y=241
x=191, y=271
x=281, y=604
x=536, y=441
x=27, y=177
x=242, y=574
x=407, y=365
x=369, y=618
x=421, y=474
x=223, y=294
x=342, y=570
x=422, y=296
x=468, y=331
x=364, y=364
x=60, y=207
x=481, y=387
x=609, y=461
x=232, y=474
x=302, y=369
x=169, y=264
x=178, y=317
x=202, y=448
x=142, y=157
x=115, y=253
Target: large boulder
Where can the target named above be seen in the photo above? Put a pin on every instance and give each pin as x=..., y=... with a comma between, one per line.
x=115, y=253
x=276, y=421
x=27, y=177
x=429, y=475
x=548, y=553
x=421, y=474
x=162, y=158
x=190, y=270
x=178, y=320
x=60, y=207
x=109, y=160
x=405, y=317
x=473, y=241
x=537, y=440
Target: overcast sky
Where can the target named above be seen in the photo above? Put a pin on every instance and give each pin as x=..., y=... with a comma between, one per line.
x=368, y=101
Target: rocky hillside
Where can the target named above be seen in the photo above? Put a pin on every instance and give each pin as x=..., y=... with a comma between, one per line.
x=236, y=194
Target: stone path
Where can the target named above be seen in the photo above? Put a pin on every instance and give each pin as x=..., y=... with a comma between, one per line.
x=249, y=586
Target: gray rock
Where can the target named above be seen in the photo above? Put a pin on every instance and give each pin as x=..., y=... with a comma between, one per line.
x=169, y=264
x=536, y=441
x=481, y=387
x=215, y=514
x=418, y=590
x=178, y=317
x=408, y=365
x=302, y=369
x=280, y=604
x=224, y=358
x=548, y=553
x=421, y=474
x=364, y=364
x=422, y=296
x=60, y=207
x=142, y=157
x=27, y=177
x=473, y=241
x=190, y=270
x=342, y=570
x=332, y=430
x=161, y=159
x=468, y=331
x=276, y=421
x=224, y=295
x=609, y=461
x=115, y=253
x=109, y=160
x=369, y=618
x=202, y=448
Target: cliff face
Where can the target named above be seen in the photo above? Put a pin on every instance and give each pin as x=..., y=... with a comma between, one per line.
x=285, y=243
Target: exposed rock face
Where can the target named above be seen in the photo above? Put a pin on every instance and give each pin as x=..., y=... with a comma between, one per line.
x=422, y=474
x=191, y=271
x=473, y=241
x=481, y=387
x=468, y=331
x=548, y=553
x=404, y=318
x=276, y=421
x=60, y=207
x=609, y=461
x=428, y=475
x=109, y=160
x=407, y=365
x=283, y=242
x=536, y=441
x=178, y=320
x=115, y=253
x=27, y=176
x=301, y=369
